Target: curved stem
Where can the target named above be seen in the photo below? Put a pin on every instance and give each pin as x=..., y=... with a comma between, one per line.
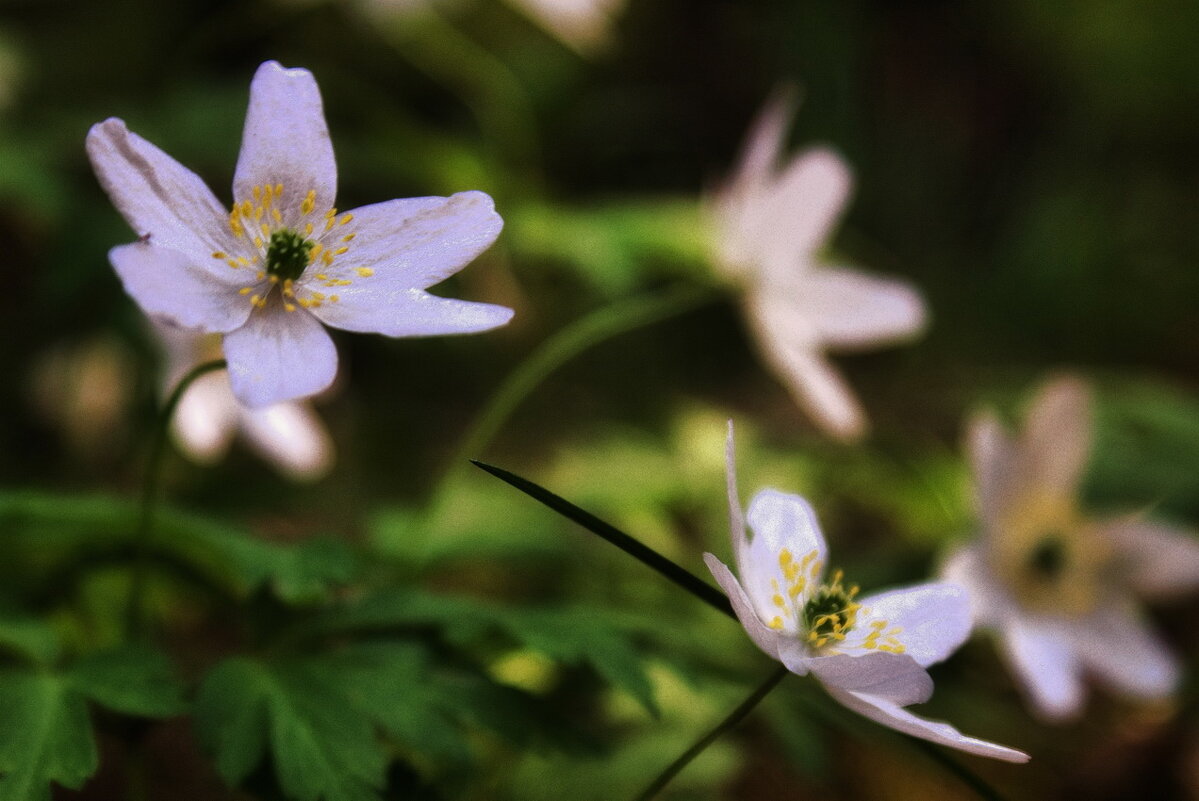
x=134, y=616
x=700, y=745
x=564, y=345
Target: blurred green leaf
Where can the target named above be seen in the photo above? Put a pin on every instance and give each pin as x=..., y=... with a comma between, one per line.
x=45, y=736
x=136, y=680
x=29, y=638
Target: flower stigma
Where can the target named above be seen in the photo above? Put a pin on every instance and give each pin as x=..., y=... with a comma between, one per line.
x=830, y=613
x=287, y=254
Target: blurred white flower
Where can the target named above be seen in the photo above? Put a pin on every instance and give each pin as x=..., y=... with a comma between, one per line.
x=289, y=434
x=85, y=390
x=1058, y=586
x=267, y=273
x=869, y=653
x=773, y=221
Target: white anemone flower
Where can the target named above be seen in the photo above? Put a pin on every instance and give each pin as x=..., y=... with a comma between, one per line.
x=289, y=435
x=1058, y=586
x=773, y=221
x=869, y=653
x=283, y=260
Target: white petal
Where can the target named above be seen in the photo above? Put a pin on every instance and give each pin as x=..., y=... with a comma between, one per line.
x=1158, y=560
x=278, y=356
x=408, y=313
x=168, y=283
x=889, y=714
x=896, y=677
x=584, y=25
x=286, y=141
x=788, y=344
x=1043, y=659
x=290, y=436
x=989, y=601
x=934, y=618
x=780, y=522
x=412, y=243
x=764, y=142
x=850, y=309
x=1119, y=648
x=762, y=635
x=158, y=197
x=992, y=460
x=804, y=205
x=1056, y=441
x=206, y=418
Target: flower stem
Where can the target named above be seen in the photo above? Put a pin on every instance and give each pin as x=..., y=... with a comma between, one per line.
x=700, y=745
x=630, y=545
x=134, y=614
x=564, y=345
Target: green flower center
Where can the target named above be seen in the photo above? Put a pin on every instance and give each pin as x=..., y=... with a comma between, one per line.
x=287, y=254
x=1048, y=558
x=830, y=613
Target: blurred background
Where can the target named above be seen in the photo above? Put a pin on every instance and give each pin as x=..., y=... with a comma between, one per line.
x=1029, y=166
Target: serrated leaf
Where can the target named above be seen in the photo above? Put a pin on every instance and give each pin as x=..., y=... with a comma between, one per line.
x=136, y=680
x=322, y=747
x=45, y=736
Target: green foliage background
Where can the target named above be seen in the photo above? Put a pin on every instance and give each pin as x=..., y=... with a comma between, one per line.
x=406, y=628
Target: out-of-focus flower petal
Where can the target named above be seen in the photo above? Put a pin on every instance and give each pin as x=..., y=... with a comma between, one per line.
x=934, y=619
x=736, y=514
x=206, y=418
x=851, y=309
x=290, y=436
x=968, y=569
x=1121, y=650
x=993, y=463
x=1056, y=441
x=159, y=198
x=779, y=522
x=168, y=283
x=762, y=635
x=805, y=205
x=1156, y=559
x=414, y=243
x=585, y=25
x=1041, y=654
x=286, y=141
x=890, y=714
x=279, y=355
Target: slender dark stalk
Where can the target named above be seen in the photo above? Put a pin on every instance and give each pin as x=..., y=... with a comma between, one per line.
x=142, y=538
x=633, y=547
x=963, y=773
x=700, y=745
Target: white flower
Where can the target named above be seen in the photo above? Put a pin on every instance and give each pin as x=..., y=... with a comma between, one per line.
x=289, y=434
x=283, y=260
x=1057, y=586
x=869, y=653
x=773, y=222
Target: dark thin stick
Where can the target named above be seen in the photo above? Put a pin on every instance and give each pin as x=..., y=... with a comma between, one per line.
x=734, y=717
x=134, y=616
x=680, y=576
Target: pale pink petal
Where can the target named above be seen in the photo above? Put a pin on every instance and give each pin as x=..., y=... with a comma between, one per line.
x=410, y=243
x=992, y=460
x=761, y=634
x=804, y=205
x=890, y=714
x=292, y=437
x=278, y=356
x=1156, y=559
x=168, y=283
x=1118, y=647
x=206, y=418
x=896, y=677
x=788, y=345
x=850, y=309
x=934, y=619
x=781, y=521
x=408, y=313
x=286, y=141
x=161, y=199
x=1056, y=441
x=764, y=144
x=1040, y=653
x=989, y=602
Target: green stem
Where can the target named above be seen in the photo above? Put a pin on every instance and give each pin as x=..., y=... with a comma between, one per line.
x=700, y=745
x=134, y=614
x=567, y=343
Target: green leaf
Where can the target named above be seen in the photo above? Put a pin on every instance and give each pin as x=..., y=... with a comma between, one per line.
x=322, y=746
x=136, y=680
x=45, y=736
x=29, y=638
